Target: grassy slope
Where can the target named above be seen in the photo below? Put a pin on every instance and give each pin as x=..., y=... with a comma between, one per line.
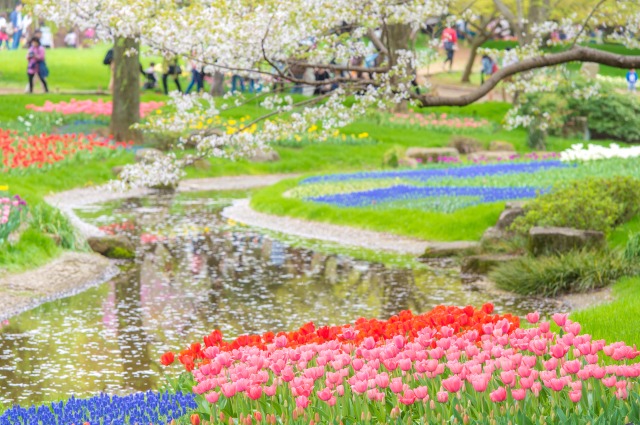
x=618, y=320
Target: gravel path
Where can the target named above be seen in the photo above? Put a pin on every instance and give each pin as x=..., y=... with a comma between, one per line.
x=242, y=212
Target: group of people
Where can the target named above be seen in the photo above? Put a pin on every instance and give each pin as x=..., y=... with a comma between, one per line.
x=13, y=28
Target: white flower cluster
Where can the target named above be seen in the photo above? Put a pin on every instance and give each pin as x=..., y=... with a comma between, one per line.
x=594, y=152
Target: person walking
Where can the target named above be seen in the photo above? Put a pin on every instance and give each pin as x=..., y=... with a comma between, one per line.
x=171, y=67
x=17, y=22
x=36, y=64
x=197, y=77
x=449, y=43
x=489, y=67
x=632, y=80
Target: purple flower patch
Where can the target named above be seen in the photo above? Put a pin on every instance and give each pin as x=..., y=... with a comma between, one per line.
x=404, y=192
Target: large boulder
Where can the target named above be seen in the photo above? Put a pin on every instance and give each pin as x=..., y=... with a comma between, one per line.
x=450, y=249
x=557, y=240
x=148, y=155
x=425, y=155
x=265, y=156
x=508, y=216
x=118, y=246
x=491, y=156
x=483, y=264
x=500, y=146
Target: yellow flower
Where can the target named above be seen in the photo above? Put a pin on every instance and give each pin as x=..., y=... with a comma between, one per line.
x=210, y=120
x=231, y=130
x=158, y=111
x=344, y=137
x=336, y=133
x=200, y=125
x=231, y=222
x=4, y=187
x=363, y=135
x=298, y=138
x=231, y=122
x=312, y=128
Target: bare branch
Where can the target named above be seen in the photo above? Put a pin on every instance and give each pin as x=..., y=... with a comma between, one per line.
x=575, y=54
x=586, y=21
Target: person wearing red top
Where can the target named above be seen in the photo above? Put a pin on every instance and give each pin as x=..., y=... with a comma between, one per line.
x=449, y=42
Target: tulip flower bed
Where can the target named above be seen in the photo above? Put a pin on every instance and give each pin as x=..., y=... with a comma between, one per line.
x=141, y=408
x=12, y=212
x=441, y=122
x=450, y=365
x=90, y=107
x=37, y=151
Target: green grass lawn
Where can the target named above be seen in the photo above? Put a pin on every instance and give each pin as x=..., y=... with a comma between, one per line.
x=618, y=320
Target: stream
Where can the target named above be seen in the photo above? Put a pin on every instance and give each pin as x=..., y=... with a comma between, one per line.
x=196, y=271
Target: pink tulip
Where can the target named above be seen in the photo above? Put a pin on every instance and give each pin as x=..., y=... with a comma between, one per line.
x=544, y=327
x=443, y=396
x=560, y=319
x=518, y=394
x=452, y=384
x=533, y=317
x=572, y=366
x=575, y=396
x=302, y=402
x=498, y=395
x=382, y=380
x=324, y=394
x=556, y=384
x=421, y=392
x=255, y=392
x=396, y=385
x=407, y=398
x=212, y=397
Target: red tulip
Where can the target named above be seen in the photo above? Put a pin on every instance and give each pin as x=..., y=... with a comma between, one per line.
x=195, y=419
x=167, y=358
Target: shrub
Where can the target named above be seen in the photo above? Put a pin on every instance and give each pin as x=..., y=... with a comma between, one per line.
x=393, y=156
x=49, y=220
x=576, y=271
x=589, y=204
x=465, y=145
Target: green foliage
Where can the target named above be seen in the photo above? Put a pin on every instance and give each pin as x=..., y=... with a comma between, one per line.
x=618, y=320
x=589, y=204
x=120, y=253
x=576, y=271
x=32, y=250
x=632, y=250
x=610, y=114
x=393, y=156
x=48, y=220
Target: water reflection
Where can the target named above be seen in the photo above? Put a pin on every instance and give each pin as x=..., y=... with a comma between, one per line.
x=195, y=272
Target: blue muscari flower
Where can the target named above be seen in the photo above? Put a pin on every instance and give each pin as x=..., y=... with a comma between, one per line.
x=467, y=171
x=405, y=192
x=140, y=408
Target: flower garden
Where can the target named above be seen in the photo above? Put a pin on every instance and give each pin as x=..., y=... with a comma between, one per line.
x=442, y=364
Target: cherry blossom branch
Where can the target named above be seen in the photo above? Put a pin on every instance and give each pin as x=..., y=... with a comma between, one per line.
x=575, y=54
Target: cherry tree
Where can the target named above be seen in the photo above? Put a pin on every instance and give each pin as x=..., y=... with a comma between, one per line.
x=282, y=42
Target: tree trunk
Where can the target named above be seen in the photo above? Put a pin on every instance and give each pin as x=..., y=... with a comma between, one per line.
x=217, y=87
x=398, y=37
x=126, y=90
x=468, y=69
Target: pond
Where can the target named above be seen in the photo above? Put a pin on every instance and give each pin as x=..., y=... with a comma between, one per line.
x=196, y=271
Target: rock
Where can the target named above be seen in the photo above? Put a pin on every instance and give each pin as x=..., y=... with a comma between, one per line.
x=117, y=170
x=490, y=156
x=450, y=249
x=148, y=155
x=557, y=240
x=508, y=216
x=483, y=264
x=465, y=145
x=425, y=155
x=515, y=204
x=112, y=246
x=408, y=162
x=492, y=234
x=265, y=156
x=500, y=146
x=201, y=164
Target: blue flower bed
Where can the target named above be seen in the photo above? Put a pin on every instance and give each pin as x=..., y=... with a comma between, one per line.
x=140, y=408
x=404, y=192
x=446, y=172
